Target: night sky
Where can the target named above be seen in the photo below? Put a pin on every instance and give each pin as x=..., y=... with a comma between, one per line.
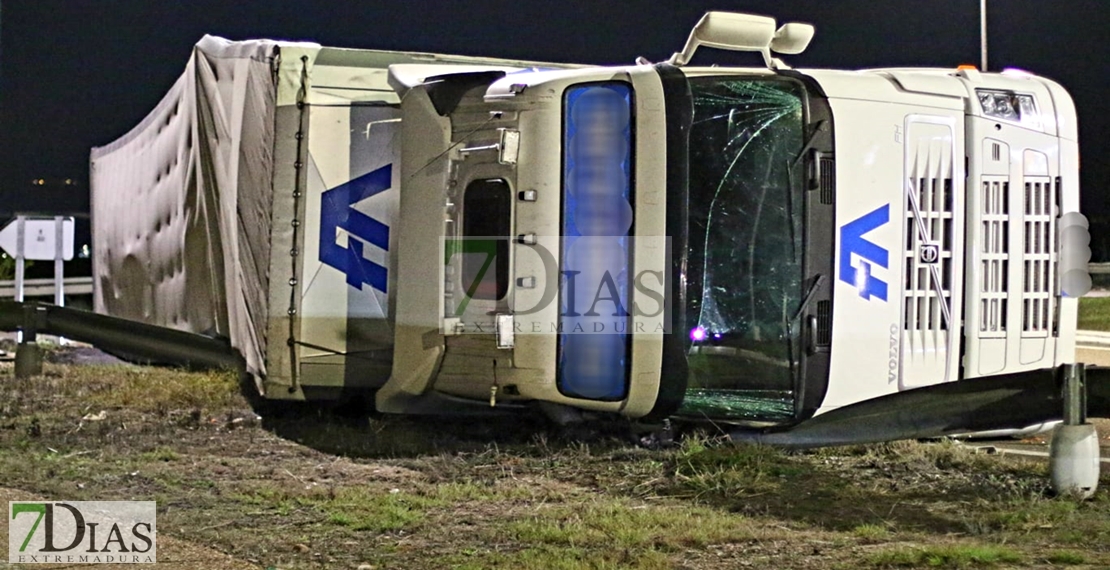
x=80, y=73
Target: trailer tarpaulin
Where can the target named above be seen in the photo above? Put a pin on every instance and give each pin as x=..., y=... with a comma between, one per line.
x=181, y=204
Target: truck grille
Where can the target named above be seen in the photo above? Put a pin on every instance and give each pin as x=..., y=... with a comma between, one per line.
x=928, y=253
x=1039, y=257
x=933, y=188
x=995, y=257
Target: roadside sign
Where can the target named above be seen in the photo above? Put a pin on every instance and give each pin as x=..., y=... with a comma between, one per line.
x=40, y=238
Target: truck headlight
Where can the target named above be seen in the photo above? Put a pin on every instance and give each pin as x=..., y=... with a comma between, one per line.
x=1008, y=106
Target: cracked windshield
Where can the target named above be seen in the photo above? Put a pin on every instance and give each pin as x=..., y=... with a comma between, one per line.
x=745, y=259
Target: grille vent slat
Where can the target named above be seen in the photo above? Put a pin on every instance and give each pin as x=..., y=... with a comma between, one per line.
x=1056, y=193
x=1039, y=256
x=824, y=324
x=995, y=257
x=827, y=175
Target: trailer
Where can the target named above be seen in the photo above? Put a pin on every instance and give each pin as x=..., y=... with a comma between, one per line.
x=255, y=204
x=812, y=256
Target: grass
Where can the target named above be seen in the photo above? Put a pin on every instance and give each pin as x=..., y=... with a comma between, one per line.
x=1065, y=558
x=632, y=526
x=139, y=389
x=362, y=513
x=309, y=489
x=162, y=453
x=946, y=556
x=871, y=532
x=606, y=533
x=718, y=470
x=1094, y=313
x=374, y=511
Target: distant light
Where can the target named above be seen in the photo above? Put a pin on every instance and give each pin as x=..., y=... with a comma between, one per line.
x=716, y=335
x=69, y=182
x=697, y=335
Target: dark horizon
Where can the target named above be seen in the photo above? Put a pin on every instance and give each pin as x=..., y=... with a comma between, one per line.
x=75, y=74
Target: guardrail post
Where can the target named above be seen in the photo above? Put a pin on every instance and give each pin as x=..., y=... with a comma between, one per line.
x=1074, y=453
x=28, y=355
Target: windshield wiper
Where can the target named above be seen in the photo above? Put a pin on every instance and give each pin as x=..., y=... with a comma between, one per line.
x=810, y=294
x=817, y=128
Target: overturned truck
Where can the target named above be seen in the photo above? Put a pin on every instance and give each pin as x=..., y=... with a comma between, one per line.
x=822, y=256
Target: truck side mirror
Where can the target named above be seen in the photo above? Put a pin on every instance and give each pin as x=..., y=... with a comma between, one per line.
x=792, y=38
x=731, y=31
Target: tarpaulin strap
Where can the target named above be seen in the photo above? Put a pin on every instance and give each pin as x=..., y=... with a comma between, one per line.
x=294, y=372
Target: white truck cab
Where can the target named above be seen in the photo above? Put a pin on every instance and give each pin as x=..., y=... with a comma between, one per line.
x=820, y=237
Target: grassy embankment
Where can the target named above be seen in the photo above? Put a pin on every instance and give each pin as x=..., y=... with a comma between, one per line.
x=308, y=489
x=1094, y=313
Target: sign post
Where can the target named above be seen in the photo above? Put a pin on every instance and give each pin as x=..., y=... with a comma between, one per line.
x=59, y=254
x=39, y=238
x=19, y=259
x=19, y=269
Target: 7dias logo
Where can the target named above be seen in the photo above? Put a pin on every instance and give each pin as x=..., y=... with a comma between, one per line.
x=557, y=284
x=82, y=532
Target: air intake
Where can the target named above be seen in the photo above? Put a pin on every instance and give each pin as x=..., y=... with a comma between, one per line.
x=827, y=177
x=823, y=338
x=995, y=257
x=1039, y=257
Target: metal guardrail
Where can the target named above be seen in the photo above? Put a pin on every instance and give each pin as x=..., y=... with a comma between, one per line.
x=1098, y=268
x=1092, y=339
x=45, y=287
x=132, y=340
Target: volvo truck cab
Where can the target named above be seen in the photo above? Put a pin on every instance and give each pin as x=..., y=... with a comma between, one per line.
x=754, y=245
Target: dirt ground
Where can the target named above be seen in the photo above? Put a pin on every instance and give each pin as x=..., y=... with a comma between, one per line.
x=311, y=488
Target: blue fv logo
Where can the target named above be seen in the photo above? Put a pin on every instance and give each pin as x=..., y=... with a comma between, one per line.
x=337, y=212
x=852, y=243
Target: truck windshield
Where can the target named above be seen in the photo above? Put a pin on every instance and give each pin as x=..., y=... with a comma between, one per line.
x=745, y=264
